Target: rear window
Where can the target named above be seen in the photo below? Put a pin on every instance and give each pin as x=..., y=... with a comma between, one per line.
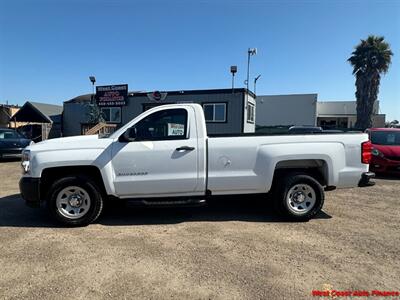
x=385, y=138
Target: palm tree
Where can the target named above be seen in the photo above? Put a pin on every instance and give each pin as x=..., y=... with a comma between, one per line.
x=370, y=59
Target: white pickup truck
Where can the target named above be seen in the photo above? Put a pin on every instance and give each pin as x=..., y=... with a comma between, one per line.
x=165, y=157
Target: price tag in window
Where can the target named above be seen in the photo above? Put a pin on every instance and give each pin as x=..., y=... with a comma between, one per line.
x=176, y=129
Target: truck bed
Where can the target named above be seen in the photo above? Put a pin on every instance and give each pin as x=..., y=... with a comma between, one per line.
x=253, y=158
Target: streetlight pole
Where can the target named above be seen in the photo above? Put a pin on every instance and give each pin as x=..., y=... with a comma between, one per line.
x=233, y=71
x=255, y=84
x=93, y=81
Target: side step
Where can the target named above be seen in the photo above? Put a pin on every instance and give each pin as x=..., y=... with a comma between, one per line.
x=170, y=202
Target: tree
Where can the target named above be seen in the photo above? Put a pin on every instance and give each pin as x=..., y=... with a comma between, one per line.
x=370, y=59
x=393, y=124
x=94, y=114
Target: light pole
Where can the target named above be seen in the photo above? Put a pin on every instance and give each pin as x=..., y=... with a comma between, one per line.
x=93, y=81
x=255, y=84
x=233, y=71
x=250, y=52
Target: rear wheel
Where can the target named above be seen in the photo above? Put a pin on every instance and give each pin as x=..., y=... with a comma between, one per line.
x=75, y=201
x=298, y=197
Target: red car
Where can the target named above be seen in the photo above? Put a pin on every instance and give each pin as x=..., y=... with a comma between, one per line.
x=385, y=150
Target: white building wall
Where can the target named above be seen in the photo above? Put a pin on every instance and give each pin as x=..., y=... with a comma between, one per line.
x=341, y=108
x=335, y=110
x=297, y=109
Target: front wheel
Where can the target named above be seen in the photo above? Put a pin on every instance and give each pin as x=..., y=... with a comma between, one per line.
x=298, y=197
x=75, y=201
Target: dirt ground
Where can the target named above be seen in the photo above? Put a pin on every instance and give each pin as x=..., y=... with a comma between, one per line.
x=237, y=250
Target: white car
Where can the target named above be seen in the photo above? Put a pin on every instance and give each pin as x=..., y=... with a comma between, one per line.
x=165, y=157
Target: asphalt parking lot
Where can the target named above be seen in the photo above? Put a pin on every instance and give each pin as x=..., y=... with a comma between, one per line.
x=236, y=250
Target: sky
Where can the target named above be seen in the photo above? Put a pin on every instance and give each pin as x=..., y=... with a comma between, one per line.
x=49, y=48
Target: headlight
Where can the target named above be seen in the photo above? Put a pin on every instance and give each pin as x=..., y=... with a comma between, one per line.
x=25, y=161
x=376, y=152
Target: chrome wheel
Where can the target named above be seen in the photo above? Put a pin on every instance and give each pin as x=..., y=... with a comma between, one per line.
x=301, y=198
x=73, y=202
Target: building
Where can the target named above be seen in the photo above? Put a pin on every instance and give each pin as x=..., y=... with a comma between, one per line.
x=286, y=110
x=226, y=110
x=6, y=112
x=42, y=121
x=304, y=109
x=343, y=114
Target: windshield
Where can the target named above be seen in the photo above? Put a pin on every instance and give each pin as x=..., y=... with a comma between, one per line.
x=9, y=134
x=385, y=138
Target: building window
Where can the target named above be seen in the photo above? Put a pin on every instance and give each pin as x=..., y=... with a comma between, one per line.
x=215, y=112
x=250, y=113
x=111, y=114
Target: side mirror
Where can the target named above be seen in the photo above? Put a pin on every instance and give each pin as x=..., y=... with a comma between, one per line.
x=128, y=136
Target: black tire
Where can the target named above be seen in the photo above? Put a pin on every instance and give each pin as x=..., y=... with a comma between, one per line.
x=285, y=207
x=89, y=186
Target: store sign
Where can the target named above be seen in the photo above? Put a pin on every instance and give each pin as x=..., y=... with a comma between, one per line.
x=112, y=95
x=157, y=96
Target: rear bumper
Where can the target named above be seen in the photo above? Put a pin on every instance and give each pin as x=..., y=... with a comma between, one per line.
x=365, y=179
x=30, y=190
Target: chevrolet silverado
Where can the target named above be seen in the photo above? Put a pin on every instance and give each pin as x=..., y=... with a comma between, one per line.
x=165, y=157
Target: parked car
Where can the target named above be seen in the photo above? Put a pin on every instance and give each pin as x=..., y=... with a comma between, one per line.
x=304, y=129
x=385, y=150
x=164, y=157
x=12, y=143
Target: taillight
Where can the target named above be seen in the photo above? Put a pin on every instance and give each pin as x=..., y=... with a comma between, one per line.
x=366, y=155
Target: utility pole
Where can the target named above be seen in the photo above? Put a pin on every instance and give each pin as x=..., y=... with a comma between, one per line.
x=250, y=52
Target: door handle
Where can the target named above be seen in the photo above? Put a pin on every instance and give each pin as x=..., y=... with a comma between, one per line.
x=184, y=148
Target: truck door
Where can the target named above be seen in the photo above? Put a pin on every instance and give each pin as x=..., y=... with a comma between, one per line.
x=162, y=158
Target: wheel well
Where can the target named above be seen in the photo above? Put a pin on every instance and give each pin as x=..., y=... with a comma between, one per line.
x=50, y=175
x=318, y=169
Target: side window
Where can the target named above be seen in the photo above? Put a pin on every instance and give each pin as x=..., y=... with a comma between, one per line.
x=215, y=112
x=169, y=124
x=250, y=113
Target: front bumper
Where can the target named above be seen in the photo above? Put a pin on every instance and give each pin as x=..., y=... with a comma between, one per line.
x=365, y=179
x=384, y=165
x=30, y=190
x=11, y=151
